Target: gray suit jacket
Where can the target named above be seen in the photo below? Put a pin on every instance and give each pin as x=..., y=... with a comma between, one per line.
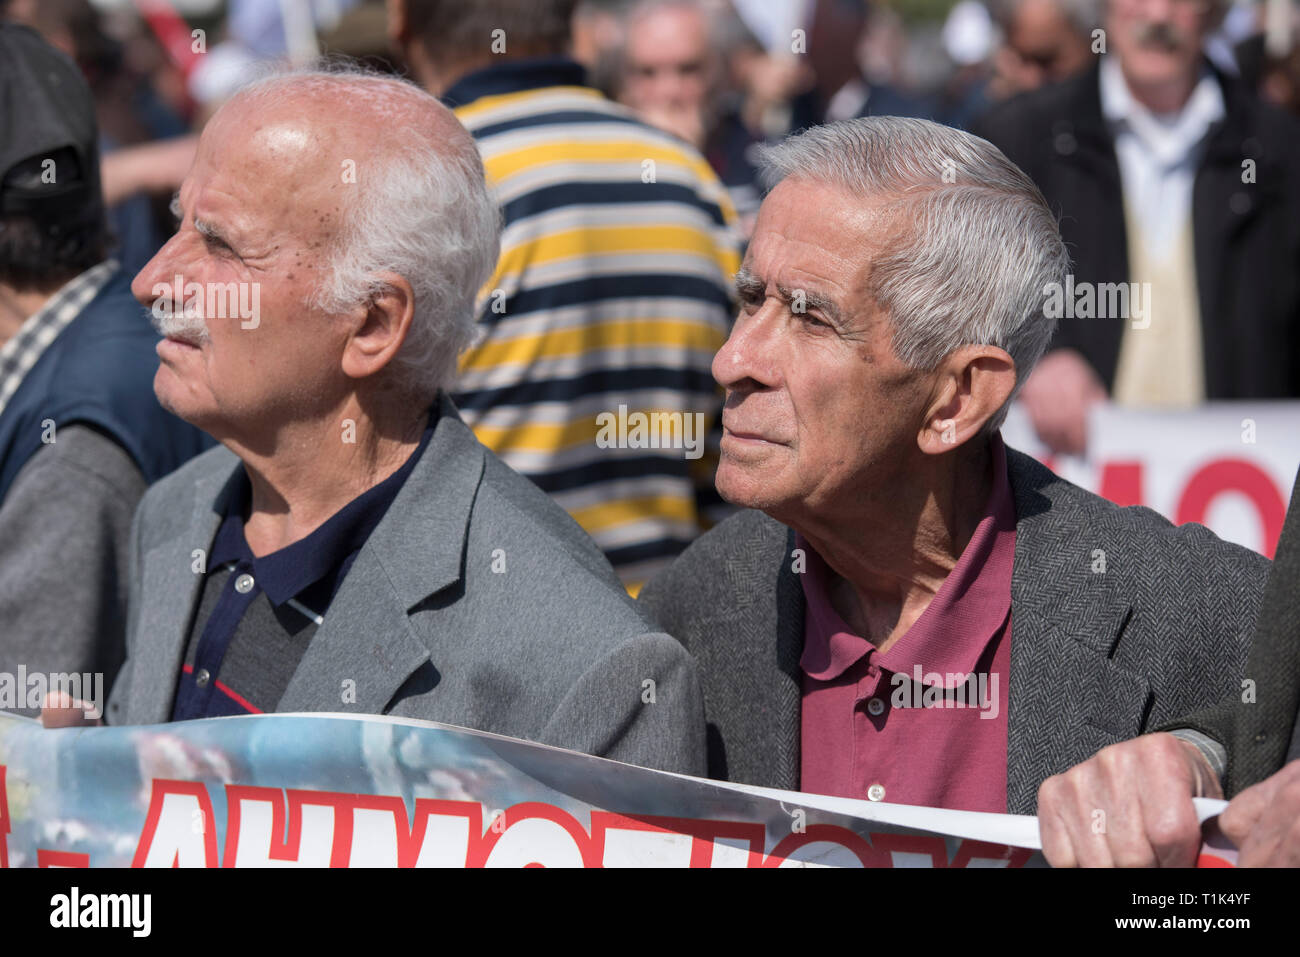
x=1096, y=657
x=551, y=649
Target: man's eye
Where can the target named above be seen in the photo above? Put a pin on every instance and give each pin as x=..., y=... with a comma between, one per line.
x=218, y=245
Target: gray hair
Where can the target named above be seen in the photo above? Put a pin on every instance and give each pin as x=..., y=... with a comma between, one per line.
x=978, y=245
x=1082, y=16
x=420, y=209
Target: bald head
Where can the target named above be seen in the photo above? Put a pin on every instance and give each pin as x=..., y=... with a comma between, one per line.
x=332, y=137
x=376, y=175
x=355, y=208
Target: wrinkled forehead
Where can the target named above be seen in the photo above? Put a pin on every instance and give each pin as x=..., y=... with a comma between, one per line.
x=827, y=219
x=667, y=34
x=276, y=169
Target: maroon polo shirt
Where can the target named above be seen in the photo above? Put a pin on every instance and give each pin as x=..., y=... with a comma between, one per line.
x=926, y=722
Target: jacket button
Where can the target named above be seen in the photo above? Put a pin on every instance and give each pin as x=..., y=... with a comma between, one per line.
x=1065, y=143
x=876, y=792
x=202, y=677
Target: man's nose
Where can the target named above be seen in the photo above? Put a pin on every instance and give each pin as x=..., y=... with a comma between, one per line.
x=161, y=270
x=1159, y=11
x=747, y=355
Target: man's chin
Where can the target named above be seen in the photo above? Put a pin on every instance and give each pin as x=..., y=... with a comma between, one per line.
x=172, y=395
x=746, y=487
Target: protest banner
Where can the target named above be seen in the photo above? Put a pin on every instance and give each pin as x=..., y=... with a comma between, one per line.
x=1227, y=465
x=324, y=790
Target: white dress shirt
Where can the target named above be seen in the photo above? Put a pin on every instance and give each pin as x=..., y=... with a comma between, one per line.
x=1158, y=152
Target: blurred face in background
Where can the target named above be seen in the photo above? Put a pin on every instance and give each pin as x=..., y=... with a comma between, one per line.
x=668, y=73
x=1041, y=47
x=1158, y=41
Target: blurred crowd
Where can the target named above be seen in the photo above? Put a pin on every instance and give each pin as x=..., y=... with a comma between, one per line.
x=1135, y=117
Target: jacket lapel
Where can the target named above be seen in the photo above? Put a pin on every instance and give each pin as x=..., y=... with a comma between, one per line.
x=170, y=588
x=786, y=683
x=369, y=644
x=1067, y=697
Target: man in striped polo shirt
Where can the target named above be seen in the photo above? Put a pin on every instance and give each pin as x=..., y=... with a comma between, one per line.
x=591, y=372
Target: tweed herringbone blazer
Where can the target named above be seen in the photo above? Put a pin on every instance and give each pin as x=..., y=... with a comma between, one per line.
x=1261, y=730
x=1096, y=656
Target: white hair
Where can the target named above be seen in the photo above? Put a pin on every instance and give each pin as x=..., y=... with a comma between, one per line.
x=978, y=245
x=420, y=208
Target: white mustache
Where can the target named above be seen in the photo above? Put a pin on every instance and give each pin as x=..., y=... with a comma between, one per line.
x=188, y=325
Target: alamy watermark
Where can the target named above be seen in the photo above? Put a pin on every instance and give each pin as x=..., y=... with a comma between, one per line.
x=917, y=690
x=651, y=430
x=130, y=911
x=24, y=690
x=1104, y=300
x=183, y=304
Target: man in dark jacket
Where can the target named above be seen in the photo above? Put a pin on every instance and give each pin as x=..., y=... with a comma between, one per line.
x=1176, y=190
x=81, y=433
x=1144, y=786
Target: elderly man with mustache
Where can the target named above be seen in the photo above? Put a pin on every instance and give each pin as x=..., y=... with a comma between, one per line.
x=1170, y=174
x=352, y=547
x=910, y=611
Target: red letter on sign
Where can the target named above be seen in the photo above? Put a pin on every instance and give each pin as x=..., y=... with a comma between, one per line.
x=1235, y=475
x=169, y=838
x=1121, y=482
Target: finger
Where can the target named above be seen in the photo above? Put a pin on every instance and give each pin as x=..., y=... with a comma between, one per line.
x=61, y=710
x=1240, y=816
x=1274, y=837
x=1171, y=824
x=1118, y=814
x=1088, y=794
x=1078, y=431
x=1053, y=834
x=1172, y=828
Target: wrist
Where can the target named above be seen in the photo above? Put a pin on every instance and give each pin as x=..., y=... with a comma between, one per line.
x=1205, y=783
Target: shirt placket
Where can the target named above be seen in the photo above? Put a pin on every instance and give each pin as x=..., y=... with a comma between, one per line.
x=869, y=711
x=237, y=595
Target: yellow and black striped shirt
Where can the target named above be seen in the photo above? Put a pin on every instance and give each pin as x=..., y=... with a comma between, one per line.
x=612, y=290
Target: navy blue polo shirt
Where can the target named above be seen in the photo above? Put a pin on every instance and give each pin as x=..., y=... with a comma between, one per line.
x=256, y=616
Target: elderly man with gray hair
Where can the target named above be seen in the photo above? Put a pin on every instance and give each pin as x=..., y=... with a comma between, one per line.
x=912, y=612
x=353, y=547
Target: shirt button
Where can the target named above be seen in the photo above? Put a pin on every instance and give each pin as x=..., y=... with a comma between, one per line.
x=201, y=677
x=244, y=584
x=876, y=792
x=876, y=707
